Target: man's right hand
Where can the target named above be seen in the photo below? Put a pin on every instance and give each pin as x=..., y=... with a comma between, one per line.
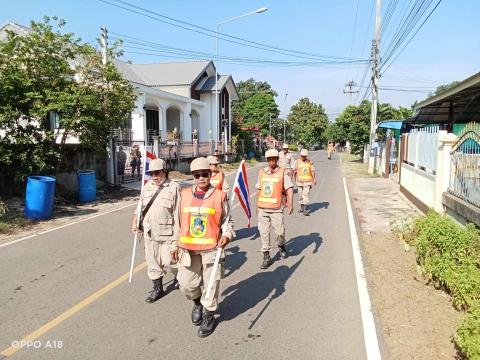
x=135, y=228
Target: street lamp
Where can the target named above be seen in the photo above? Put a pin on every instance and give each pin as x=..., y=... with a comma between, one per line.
x=258, y=11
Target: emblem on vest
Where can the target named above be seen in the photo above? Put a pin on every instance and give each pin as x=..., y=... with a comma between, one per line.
x=267, y=189
x=198, y=225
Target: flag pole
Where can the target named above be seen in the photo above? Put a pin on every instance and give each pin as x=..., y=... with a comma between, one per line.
x=139, y=210
x=219, y=250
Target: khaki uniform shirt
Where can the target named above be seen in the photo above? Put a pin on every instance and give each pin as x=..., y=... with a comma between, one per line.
x=303, y=183
x=287, y=184
x=162, y=221
x=286, y=161
x=226, y=185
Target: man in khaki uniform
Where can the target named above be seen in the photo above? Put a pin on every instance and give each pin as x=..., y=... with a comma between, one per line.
x=205, y=225
x=286, y=160
x=305, y=177
x=160, y=224
x=273, y=182
x=218, y=178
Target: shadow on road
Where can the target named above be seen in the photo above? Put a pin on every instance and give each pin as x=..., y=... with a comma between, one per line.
x=245, y=295
x=234, y=259
x=251, y=233
x=296, y=245
x=317, y=206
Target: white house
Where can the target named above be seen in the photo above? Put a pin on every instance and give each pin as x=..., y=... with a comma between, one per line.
x=179, y=97
x=172, y=98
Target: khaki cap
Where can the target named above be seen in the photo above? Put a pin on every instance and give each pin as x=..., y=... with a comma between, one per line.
x=304, y=152
x=155, y=165
x=212, y=160
x=271, y=153
x=200, y=163
x=285, y=146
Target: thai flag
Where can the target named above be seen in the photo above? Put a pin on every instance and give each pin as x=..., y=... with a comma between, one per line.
x=148, y=156
x=240, y=188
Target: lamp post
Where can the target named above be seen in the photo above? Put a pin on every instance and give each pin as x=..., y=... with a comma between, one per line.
x=258, y=11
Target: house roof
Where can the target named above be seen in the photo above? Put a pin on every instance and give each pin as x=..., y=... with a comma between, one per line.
x=461, y=103
x=209, y=85
x=14, y=27
x=163, y=74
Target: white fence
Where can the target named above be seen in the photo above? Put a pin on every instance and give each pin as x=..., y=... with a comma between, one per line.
x=422, y=147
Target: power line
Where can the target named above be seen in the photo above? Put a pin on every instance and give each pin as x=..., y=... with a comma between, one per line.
x=421, y=25
x=222, y=36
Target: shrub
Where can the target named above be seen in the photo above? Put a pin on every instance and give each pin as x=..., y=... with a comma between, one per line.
x=449, y=256
x=468, y=333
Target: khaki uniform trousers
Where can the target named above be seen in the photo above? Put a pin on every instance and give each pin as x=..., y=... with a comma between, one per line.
x=271, y=219
x=303, y=192
x=157, y=255
x=195, y=267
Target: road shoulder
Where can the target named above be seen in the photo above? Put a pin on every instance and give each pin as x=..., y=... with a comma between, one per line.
x=413, y=320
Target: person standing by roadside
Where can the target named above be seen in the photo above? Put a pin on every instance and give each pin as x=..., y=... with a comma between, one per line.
x=273, y=182
x=136, y=160
x=121, y=161
x=286, y=160
x=160, y=225
x=305, y=177
x=206, y=224
x=218, y=178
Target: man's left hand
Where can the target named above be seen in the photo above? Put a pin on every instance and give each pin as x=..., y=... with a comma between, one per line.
x=223, y=242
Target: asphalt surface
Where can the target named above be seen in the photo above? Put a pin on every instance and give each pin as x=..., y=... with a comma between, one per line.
x=304, y=307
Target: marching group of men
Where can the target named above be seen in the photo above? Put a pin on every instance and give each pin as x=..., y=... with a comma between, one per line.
x=182, y=229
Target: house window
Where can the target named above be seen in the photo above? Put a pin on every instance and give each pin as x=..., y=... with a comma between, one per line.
x=54, y=120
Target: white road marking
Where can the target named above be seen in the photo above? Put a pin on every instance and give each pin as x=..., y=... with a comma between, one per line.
x=369, y=331
x=65, y=225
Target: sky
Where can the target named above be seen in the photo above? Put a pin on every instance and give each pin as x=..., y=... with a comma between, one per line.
x=446, y=48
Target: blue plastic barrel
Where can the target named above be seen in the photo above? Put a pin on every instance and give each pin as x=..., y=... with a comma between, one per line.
x=87, y=185
x=39, y=197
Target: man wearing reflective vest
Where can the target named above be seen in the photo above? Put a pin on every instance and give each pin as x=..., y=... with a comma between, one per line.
x=286, y=160
x=205, y=224
x=218, y=178
x=305, y=176
x=272, y=185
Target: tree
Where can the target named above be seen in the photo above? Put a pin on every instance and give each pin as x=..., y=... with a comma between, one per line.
x=307, y=121
x=46, y=71
x=353, y=124
x=255, y=105
x=442, y=88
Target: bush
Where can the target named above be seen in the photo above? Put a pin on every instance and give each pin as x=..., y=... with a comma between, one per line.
x=468, y=334
x=293, y=147
x=449, y=256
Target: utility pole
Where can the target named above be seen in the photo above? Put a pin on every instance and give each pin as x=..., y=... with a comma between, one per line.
x=104, y=44
x=375, y=76
x=285, y=119
x=270, y=125
x=351, y=84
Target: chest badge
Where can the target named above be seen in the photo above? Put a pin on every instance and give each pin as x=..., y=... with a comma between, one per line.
x=198, y=225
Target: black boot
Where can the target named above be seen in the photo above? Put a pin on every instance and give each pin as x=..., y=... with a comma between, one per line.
x=157, y=291
x=197, y=312
x=305, y=211
x=302, y=207
x=176, y=285
x=208, y=324
x=283, y=252
x=266, y=260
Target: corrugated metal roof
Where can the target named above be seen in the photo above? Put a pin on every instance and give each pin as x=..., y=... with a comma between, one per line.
x=174, y=73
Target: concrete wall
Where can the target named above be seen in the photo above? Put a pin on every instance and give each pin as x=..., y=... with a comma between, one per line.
x=419, y=183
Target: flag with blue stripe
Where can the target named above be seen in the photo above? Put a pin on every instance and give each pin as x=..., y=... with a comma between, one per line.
x=240, y=188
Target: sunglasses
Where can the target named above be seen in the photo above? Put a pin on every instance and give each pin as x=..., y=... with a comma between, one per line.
x=202, y=174
x=156, y=172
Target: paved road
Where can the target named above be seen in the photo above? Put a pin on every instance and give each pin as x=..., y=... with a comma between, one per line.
x=304, y=307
